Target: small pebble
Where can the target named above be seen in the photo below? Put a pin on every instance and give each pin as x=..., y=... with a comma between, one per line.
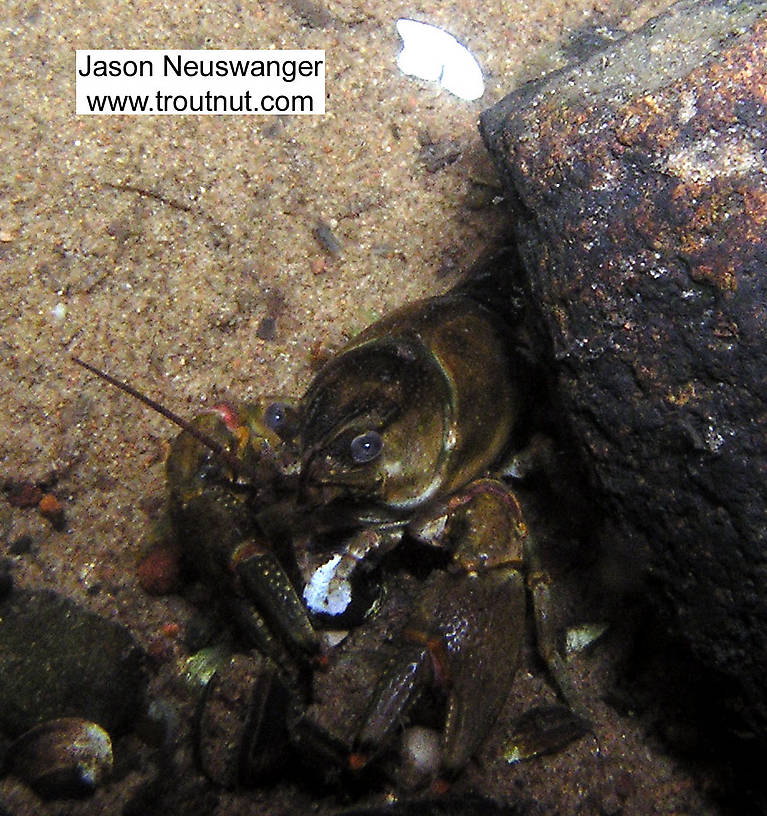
x=52, y=509
x=318, y=266
x=170, y=630
x=158, y=573
x=421, y=755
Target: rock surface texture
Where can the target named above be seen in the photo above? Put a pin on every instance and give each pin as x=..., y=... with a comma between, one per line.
x=637, y=180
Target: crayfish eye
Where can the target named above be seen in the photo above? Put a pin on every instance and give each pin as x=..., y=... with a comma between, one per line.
x=366, y=447
x=280, y=418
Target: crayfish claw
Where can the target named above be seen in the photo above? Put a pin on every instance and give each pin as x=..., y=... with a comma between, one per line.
x=266, y=583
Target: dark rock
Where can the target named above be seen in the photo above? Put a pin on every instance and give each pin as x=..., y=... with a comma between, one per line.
x=637, y=180
x=59, y=660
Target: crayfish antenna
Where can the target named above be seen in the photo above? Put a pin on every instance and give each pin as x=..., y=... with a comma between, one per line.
x=237, y=465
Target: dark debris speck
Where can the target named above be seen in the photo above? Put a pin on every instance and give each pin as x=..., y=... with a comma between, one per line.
x=267, y=329
x=436, y=156
x=22, y=493
x=6, y=578
x=326, y=239
x=21, y=545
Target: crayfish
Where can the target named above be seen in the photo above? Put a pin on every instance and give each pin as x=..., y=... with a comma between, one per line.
x=401, y=439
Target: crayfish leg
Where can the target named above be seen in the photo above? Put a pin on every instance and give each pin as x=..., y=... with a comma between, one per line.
x=546, y=636
x=397, y=689
x=465, y=638
x=466, y=632
x=483, y=624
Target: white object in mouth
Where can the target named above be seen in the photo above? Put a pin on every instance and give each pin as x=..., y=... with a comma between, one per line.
x=326, y=592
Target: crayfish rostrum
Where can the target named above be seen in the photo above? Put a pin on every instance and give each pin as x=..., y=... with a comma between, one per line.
x=395, y=443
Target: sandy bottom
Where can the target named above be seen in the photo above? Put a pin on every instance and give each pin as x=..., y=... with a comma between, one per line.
x=181, y=253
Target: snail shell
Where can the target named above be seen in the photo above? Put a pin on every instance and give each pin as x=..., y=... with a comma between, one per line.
x=63, y=757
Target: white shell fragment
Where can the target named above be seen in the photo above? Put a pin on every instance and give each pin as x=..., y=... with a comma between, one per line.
x=430, y=53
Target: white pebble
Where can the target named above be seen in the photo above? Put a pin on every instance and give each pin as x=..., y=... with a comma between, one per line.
x=421, y=751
